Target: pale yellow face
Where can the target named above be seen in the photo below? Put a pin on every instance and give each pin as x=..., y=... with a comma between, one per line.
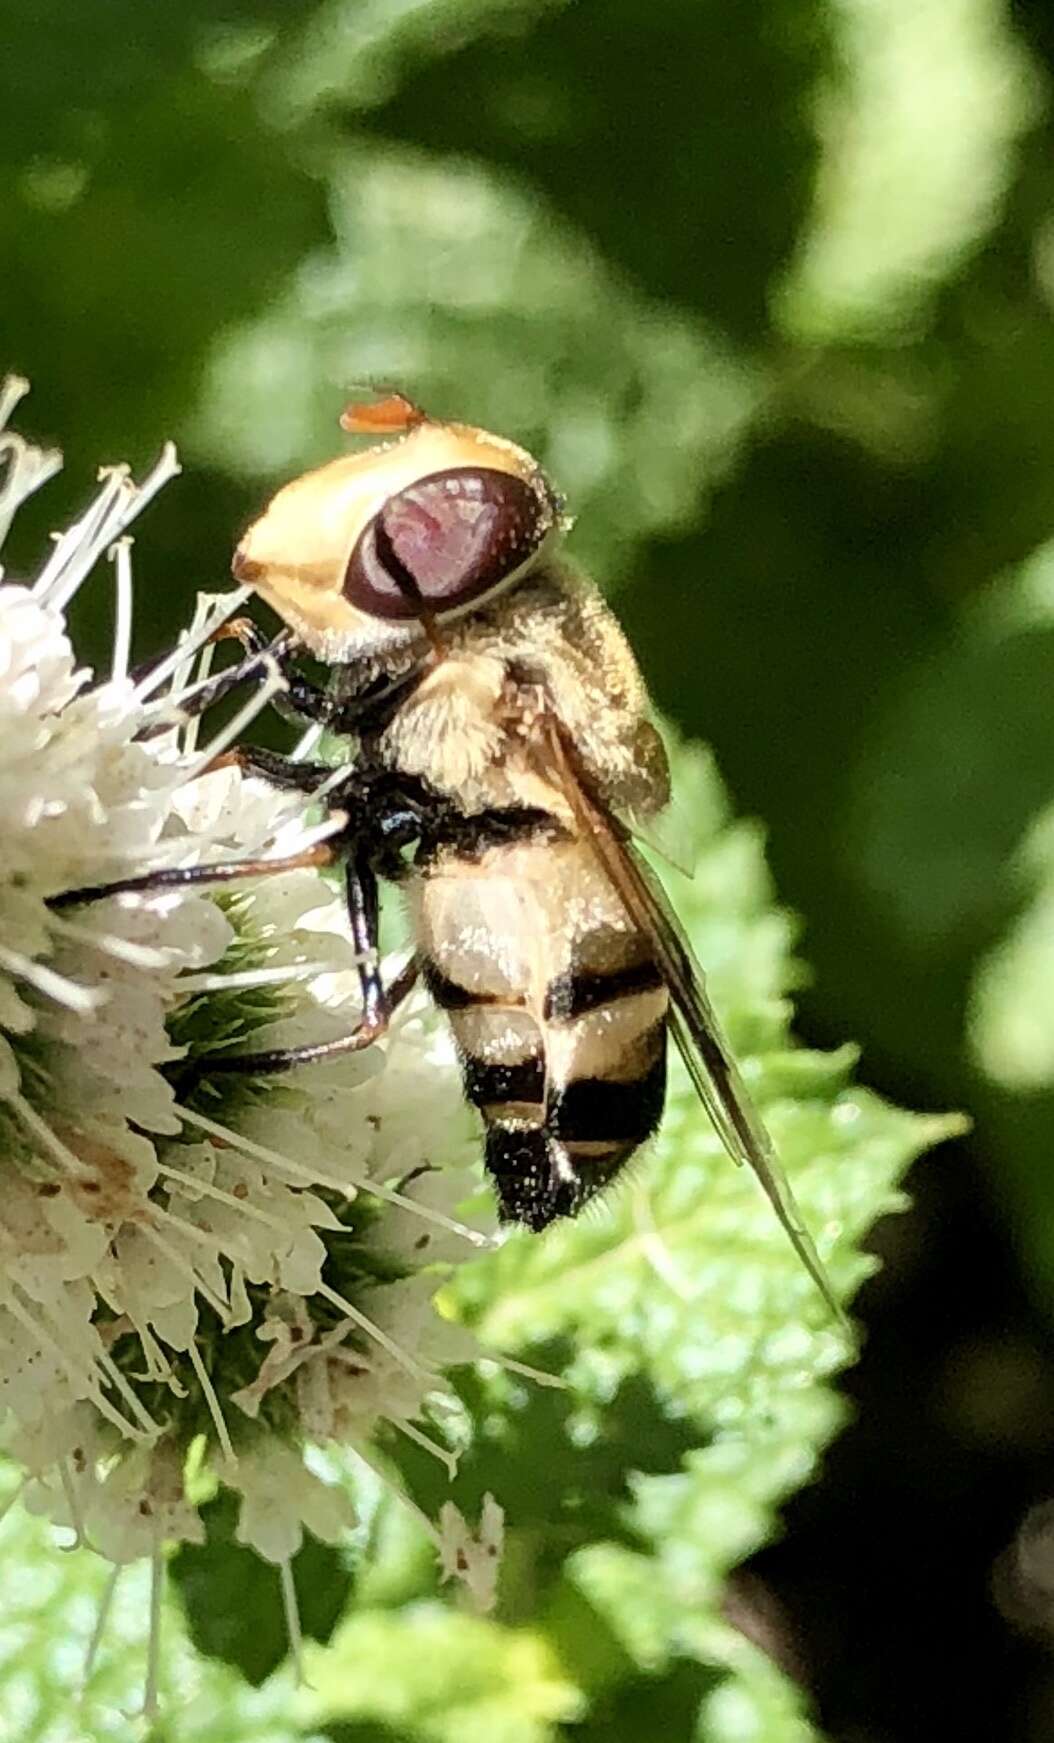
x=365, y=551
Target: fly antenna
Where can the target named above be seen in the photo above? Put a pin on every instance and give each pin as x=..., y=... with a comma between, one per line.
x=388, y=413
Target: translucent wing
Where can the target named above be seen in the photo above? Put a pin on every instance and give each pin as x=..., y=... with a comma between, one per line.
x=693, y=1020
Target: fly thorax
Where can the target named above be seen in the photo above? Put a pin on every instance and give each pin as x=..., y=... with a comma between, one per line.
x=450, y=732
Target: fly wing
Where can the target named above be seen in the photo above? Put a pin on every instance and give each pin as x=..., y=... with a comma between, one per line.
x=693, y=1020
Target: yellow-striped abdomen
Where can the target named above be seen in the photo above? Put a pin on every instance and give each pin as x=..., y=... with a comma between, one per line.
x=557, y=1007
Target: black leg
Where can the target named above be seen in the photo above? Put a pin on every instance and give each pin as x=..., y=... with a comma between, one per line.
x=301, y=701
x=289, y=1058
x=349, y=711
x=184, y=877
x=246, y=633
x=360, y=887
x=281, y=644
x=378, y=1002
x=247, y=671
x=280, y=771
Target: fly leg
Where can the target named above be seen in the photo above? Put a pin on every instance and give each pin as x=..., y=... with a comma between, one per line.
x=378, y=1001
x=262, y=655
x=182, y=877
x=348, y=711
x=280, y=771
x=390, y=816
x=384, y=1003
x=300, y=701
x=364, y=916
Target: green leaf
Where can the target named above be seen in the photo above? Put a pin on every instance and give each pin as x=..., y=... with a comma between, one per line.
x=586, y=114
x=684, y=1653
x=233, y=1599
x=1012, y=1015
x=893, y=214
x=52, y=1599
x=515, y=323
x=443, y=1678
x=1010, y=1024
x=663, y=1706
x=513, y=1420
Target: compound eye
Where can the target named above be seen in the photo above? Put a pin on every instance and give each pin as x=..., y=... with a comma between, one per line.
x=445, y=541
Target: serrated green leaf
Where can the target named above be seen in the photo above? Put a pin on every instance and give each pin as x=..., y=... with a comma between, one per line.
x=589, y=1447
x=650, y=1602
x=663, y=1706
x=233, y=1599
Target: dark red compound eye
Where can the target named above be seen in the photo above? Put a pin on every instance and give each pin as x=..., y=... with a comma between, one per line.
x=445, y=541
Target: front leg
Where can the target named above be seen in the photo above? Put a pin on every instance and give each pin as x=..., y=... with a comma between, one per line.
x=281, y=771
x=262, y=655
x=301, y=701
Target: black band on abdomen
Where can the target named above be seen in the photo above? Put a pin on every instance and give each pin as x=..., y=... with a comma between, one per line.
x=487, y=1085
x=571, y=995
x=596, y=1110
x=449, y=995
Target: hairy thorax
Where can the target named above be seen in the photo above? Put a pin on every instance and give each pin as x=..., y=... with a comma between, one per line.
x=550, y=646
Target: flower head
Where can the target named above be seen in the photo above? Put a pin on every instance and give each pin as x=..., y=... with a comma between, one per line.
x=241, y=1270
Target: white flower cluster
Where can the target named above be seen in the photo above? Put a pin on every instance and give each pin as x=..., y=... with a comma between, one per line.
x=250, y=1269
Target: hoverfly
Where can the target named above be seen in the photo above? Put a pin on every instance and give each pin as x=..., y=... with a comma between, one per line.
x=501, y=737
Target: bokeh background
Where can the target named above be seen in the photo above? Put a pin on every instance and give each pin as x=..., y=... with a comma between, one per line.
x=770, y=289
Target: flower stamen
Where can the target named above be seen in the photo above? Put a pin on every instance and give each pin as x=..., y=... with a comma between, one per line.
x=122, y=635
x=102, y=1616
x=151, y=1428
x=80, y=1537
x=50, y=983
x=292, y=1620
x=67, y=1162
x=151, y=1688
x=125, y=950
x=258, y=701
x=257, y=977
x=222, y=606
x=315, y=1177
x=430, y=1530
x=208, y=1392
x=356, y=1315
x=208, y=1190
x=446, y=1457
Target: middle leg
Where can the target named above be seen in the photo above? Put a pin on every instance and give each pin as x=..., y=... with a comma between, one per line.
x=279, y=1059
x=378, y=1001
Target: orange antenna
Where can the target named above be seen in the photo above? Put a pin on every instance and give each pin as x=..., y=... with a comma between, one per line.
x=383, y=416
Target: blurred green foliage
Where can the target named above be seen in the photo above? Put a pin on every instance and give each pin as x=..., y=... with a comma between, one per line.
x=771, y=291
